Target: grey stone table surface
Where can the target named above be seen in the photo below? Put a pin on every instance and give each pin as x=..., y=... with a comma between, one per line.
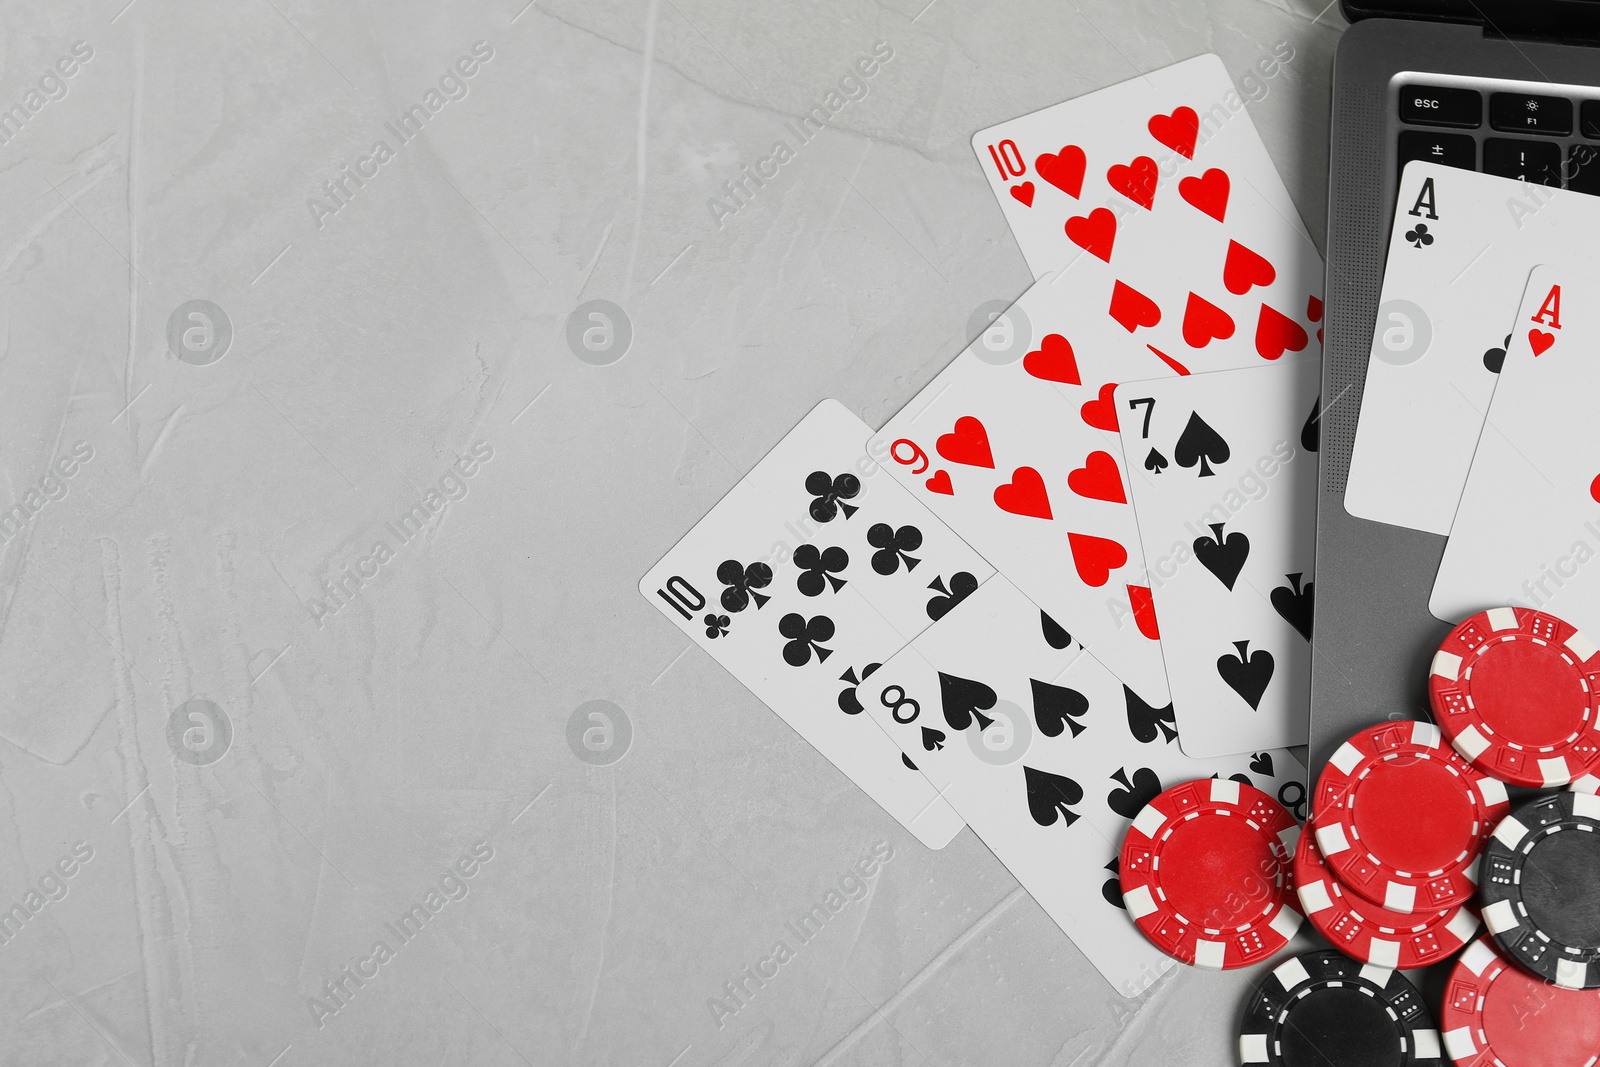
x=320, y=532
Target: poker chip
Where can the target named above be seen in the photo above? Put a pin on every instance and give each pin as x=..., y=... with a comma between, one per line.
x=1541, y=888
x=1497, y=1016
x=1515, y=692
x=1401, y=818
x=1205, y=872
x=1324, y=1009
x=1371, y=934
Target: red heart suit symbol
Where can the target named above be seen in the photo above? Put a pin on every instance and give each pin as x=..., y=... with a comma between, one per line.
x=1314, y=309
x=1539, y=341
x=967, y=442
x=940, y=483
x=1063, y=169
x=1094, y=233
x=1204, y=322
x=1132, y=308
x=1023, y=193
x=1177, y=368
x=1136, y=180
x=1208, y=192
x=1178, y=131
x=1101, y=412
x=1144, y=611
x=1095, y=557
x=1594, y=489
x=1098, y=479
x=1053, y=361
x=1244, y=268
x=1277, y=333
x=1024, y=494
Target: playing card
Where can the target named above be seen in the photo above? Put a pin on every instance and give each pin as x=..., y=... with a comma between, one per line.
x=1197, y=284
x=1130, y=144
x=1528, y=528
x=1223, y=469
x=1459, y=255
x=1015, y=445
x=1048, y=757
x=813, y=570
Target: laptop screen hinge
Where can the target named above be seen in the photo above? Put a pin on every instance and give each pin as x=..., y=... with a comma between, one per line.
x=1551, y=22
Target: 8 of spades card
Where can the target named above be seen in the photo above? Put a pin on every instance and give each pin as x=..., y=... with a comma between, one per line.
x=1048, y=757
x=1054, y=170
x=811, y=572
x=1460, y=252
x=1223, y=469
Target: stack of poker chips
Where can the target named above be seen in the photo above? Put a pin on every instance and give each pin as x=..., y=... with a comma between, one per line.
x=1515, y=690
x=1412, y=837
x=1389, y=867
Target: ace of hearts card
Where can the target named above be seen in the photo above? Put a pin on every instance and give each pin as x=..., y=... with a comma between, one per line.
x=1528, y=528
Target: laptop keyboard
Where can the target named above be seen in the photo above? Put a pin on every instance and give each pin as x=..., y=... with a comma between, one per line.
x=1527, y=136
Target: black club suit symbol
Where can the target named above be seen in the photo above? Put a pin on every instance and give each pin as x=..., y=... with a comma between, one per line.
x=1419, y=235
x=849, y=703
x=716, y=625
x=818, y=569
x=893, y=546
x=805, y=637
x=830, y=494
x=1495, y=358
x=742, y=582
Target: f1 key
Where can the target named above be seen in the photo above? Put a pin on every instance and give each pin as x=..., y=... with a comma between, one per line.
x=1523, y=113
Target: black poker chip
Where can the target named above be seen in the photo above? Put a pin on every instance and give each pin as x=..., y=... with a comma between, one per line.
x=1324, y=1009
x=1540, y=888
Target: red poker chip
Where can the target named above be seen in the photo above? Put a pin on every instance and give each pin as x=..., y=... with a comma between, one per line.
x=1371, y=934
x=1496, y=1015
x=1205, y=871
x=1515, y=692
x=1401, y=818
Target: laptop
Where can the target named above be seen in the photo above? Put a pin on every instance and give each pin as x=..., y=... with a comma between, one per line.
x=1511, y=88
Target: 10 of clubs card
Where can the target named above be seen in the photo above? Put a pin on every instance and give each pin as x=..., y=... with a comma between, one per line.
x=1048, y=757
x=1528, y=529
x=811, y=572
x=1224, y=475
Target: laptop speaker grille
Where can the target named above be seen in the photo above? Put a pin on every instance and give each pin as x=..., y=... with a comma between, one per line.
x=1355, y=272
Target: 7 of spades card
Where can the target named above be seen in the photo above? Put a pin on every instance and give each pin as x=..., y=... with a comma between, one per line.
x=1223, y=474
